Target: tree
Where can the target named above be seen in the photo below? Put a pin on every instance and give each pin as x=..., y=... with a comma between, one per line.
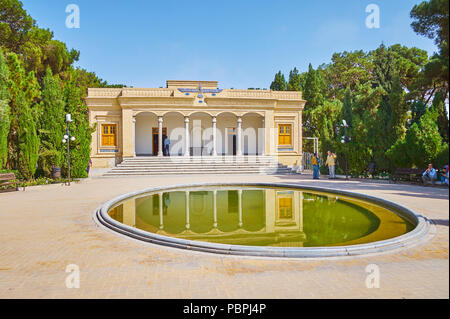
x=279, y=83
x=27, y=139
x=431, y=19
x=295, y=81
x=4, y=111
x=442, y=118
x=312, y=93
x=51, y=123
x=26, y=86
x=399, y=111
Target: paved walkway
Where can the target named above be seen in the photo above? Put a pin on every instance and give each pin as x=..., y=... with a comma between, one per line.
x=46, y=228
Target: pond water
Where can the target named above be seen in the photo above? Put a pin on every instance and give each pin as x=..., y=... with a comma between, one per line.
x=260, y=216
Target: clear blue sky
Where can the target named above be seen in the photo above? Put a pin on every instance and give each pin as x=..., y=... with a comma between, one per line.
x=241, y=44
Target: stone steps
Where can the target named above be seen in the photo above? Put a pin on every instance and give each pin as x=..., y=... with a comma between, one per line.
x=199, y=165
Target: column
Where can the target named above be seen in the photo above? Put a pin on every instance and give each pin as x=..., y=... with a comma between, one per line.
x=160, y=133
x=240, y=207
x=214, y=132
x=263, y=135
x=239, y=137
x=186, y=136
x=161, y=213
x=134, y=136
x=188, y=225
x=127, y=133
x=215, y=208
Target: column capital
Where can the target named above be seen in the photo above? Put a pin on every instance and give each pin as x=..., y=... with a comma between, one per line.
x=186, y=119
x=214, y=119
x=160, y=119
x=239, y=119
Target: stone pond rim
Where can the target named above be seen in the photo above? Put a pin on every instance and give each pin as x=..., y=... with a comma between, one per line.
x=418, y=234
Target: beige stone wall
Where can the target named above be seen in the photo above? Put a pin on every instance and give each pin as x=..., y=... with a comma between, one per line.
x=135, y=112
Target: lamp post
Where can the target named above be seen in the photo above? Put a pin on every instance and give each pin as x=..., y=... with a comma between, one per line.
x=67, y=139
x=345, y=140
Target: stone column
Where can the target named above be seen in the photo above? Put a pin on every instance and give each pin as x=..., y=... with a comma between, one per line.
x=186, y=136
x=263, y=137
x=160, y=133
x=134, y=136
x=127, y=133
x=214, y=132
x=188, y=225
x=239, y=137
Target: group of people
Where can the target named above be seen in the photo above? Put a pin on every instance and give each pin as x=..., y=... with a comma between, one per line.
x=331, y=163
x=431, y=175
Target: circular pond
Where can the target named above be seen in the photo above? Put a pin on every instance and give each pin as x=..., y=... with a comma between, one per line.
x=258, y=219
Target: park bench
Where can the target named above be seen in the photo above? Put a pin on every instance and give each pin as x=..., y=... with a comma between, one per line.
x=6, y=180
x=408, y=174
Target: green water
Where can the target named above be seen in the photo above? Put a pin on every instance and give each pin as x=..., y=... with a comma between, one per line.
x=261, y=217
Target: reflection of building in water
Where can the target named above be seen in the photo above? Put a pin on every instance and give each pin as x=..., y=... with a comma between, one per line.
x=246, y=216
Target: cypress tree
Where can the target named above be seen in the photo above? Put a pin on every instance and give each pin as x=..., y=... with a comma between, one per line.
x=51, y=123
x=279, y=83
x=4, y=111
x=312, y=93
x=80, y=149
x=27, y=139
x=399, y=111
x=295, y=81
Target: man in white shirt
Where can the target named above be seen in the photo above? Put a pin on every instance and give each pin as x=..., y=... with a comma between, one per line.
x=430, y=175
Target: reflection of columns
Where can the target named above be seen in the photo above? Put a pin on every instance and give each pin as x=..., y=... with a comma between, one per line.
x=186, y=136
x=134, y=136
x=129, y=213
x=300, y=217
x=187, y=210
x=239, y=137
x=215, y=208
x=161, y=220
x=240, y=207
x=214, y=133
x=160, y=133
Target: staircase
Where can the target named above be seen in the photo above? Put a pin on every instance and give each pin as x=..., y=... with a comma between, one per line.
x=265, y=165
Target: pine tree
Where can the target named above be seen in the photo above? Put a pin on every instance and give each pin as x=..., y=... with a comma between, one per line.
x=27, y=139
x=279, y=83
x=4, y=111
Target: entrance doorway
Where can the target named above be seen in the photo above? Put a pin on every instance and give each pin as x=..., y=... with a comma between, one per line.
x=156, y=140
x=231, y=147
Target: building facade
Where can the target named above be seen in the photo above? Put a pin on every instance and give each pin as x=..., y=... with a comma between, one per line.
x=194, y=118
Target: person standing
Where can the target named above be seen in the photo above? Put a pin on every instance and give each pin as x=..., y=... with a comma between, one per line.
x=315, y=164
x=167, y=146
x=430, y=175
x=88, y=168
x=331, y=163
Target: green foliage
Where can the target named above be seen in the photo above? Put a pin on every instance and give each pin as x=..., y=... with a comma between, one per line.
x=279, y=83
x=27, y=140
x=295, y=81
x=51, y=123
x=4, y=111
x=422, y=144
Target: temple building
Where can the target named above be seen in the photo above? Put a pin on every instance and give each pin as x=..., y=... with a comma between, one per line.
x=197, y=119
